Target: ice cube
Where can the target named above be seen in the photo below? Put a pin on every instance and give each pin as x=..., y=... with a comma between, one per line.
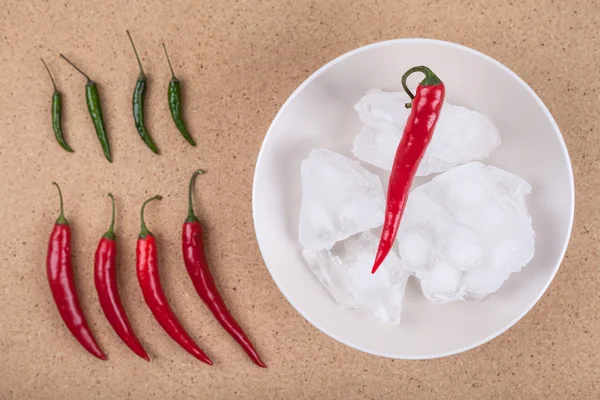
x=417, y=249
x=483, y=281
x=377, y=147
x=461, y=135
x=465, y=248
x=442, y=284
x=383, y=110
x=478, y=240
x=467, y=192
x=339, y=198
x=346, y=273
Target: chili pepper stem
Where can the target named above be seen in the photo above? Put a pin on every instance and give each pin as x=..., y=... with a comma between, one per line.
x=136, y=55
x=61, y=217
x=51, y=78
x=429, y=80
x=191, y=216
x=74, y=66
x=145, y=232
x=110, y=233
x=169, y=61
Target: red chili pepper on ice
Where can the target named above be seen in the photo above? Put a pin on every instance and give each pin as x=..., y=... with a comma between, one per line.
x=148, y=276
x=194, y=257
x=62, y=284
x=105, y=273
x=418, y=130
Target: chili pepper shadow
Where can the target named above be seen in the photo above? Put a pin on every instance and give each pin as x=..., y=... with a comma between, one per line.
x=45, y=307
x=127, y=284
x=84, y=278
x=148, y=110
x=165, y=261
x=187, y=102
x=213, y=259
x=69, y=134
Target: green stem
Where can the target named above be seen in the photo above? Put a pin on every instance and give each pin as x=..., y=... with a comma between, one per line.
x=145, y=232
x=429, y=80
x=136, y=54
x=51, y=78
x=74, y=66
x=169, y=61
x=61, y=220
x=191, y=216
x=110, y=233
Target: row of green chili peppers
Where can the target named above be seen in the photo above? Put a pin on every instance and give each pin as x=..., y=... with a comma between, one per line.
x=92, y=96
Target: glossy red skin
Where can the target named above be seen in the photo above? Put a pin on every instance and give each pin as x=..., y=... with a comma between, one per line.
x=426, y=108
x=197, y=267
x=148, y=277
x=62, y=285
x=105, y=276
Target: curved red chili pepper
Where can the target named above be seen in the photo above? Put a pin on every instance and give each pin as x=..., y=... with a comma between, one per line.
x=195, y=261
x=105, y=274
x=148, y=276
x=62, y=284
x=415, y=139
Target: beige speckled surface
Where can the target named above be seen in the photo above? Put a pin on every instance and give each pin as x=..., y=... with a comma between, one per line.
x=239, y=61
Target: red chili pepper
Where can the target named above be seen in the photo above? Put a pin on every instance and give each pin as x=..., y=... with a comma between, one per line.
x=62, y=284
x=105, y=273
x=147, y=272
x=194, y=257
x=415, y=139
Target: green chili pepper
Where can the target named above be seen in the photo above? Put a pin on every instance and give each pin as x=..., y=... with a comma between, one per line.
x=138, y=103
x=175, y=102
x=92, y=97
x=57, y=113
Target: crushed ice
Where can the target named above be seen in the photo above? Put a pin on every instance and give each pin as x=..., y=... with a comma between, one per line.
x=462, y=235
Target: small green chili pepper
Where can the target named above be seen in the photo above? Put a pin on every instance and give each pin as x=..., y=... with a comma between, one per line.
x=175, y=102
x=138, y=103
x=57, y=113
x=92, y=97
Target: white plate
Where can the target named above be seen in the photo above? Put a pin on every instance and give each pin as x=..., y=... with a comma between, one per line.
x=320, y=114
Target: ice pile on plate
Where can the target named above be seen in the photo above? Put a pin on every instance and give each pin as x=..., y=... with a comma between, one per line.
x=466, y=231
x=461, y=135
x=462, y=234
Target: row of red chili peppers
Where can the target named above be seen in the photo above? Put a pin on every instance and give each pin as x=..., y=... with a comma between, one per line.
x=62, y=285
